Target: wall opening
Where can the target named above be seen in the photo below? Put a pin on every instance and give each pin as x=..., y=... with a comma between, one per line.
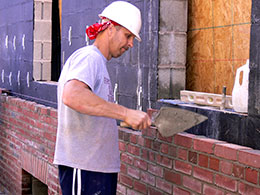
x=32, y=186
x=56, y=42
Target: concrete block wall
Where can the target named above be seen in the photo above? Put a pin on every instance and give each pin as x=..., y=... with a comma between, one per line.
x=150, y=164
x=42, y=40
x=172, y=48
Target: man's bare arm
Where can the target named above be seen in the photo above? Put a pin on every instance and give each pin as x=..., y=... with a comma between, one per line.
x=79, y=97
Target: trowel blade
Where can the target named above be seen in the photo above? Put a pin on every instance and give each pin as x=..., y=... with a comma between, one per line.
x=169, y=120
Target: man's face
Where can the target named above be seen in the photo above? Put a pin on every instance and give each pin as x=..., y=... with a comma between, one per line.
x=120, y=41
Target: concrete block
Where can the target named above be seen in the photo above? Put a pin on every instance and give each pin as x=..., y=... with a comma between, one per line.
x=37, y=67
x=172, y=48
x=171, y=82
x=37, y=50
x=178, y=82
x=47, y=10
x=46, y=53
x=42, y=30
x=42, y=70
x=173, y=15
x=38, y=10
x=164, y=78
x=46, y=71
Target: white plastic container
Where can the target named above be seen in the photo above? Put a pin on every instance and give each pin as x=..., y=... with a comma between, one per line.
x=240, y=91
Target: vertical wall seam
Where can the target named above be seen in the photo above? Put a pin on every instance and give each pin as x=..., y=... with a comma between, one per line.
x=213, y=47
x=233, y=40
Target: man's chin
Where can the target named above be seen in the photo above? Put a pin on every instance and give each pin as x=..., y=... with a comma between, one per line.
x=118, y=55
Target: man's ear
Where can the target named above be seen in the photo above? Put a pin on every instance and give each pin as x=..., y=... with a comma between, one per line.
x=110, y=29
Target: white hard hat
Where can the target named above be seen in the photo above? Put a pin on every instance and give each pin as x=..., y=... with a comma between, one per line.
x=125, y=14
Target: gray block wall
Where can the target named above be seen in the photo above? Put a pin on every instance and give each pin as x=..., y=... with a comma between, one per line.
x=172, y=48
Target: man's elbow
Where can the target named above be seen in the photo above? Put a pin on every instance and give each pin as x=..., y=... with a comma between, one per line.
x=67, y=99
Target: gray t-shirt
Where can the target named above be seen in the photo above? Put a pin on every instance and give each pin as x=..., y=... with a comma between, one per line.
x=83, y=141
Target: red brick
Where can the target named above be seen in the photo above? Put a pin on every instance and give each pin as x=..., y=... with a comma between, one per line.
x=250, y=157
x=148, y=143
x=126, y=180
x=177, y=190
x=183, y=139
x=151, y=111
x=172, y=177
x=246, y=189
x=226, y=167
x=49, y=136
x=204, y=145
x=133, y=172
x=133, y=139
x=165, y=148
x=251, y=175
x=203, y=174
x=53, y=113
x=183, y=167
x=156, y=170
x=152, y=191
x=150, y=132
x=127, y=158
x=173, y=151
x=122, y=146
x=226, y=182
x=193, y=157
x=203, y=160
x=166, y=139
x=211, y=190
x=141, y=141
x=133, y=150
x=156, y=145
x=164, y=161
x=214, y=163
x=227, y=151
x=238, y=171
x=131, y=192
x=121, y=189
x=141, y=164
x=191, y=183
x=140, y=187
x=152, y=156
x=145, y=154
x=164, y=185
x=182, y=154
x=147, y=178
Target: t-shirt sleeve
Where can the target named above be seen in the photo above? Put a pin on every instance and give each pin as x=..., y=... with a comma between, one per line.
x=83, y=68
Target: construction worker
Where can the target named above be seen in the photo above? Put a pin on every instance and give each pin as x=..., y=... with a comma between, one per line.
x=87, y=152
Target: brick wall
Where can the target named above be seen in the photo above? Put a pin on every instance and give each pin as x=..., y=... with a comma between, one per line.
x=150, y=164
x=27, y=141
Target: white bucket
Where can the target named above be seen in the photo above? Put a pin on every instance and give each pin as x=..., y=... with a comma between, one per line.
x=240, y=91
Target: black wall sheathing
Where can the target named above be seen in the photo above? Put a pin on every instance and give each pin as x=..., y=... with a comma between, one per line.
x=17, y=20
x=254, y=76
x=137, y=67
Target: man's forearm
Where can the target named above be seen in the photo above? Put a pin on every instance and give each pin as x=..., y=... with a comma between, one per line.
x=79, y=97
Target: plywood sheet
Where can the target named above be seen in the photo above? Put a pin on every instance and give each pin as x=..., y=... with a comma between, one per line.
x=218, y=43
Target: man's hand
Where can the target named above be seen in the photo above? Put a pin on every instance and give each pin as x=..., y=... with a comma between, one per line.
x=137, y=119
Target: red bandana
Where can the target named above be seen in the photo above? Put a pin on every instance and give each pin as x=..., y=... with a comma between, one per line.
x=93, y=30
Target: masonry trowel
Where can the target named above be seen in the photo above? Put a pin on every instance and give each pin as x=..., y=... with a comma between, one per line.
x=169, y=120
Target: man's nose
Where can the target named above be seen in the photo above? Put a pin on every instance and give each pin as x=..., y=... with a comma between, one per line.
x=131, y=42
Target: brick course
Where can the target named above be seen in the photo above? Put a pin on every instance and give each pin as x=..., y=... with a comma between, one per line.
x=150, y=164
